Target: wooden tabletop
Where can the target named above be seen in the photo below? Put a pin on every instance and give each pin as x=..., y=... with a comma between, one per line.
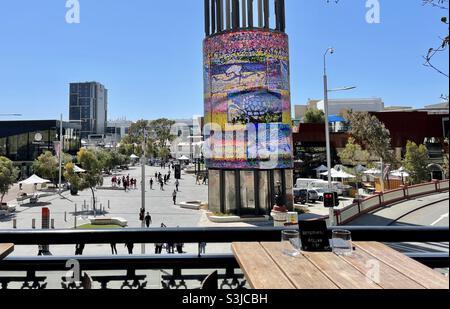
x=371, y=266
x=5, y=250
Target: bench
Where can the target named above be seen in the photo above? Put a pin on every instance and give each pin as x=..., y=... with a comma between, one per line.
x=108, y=221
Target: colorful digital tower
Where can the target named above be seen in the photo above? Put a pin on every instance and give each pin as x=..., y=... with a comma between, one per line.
x=248, y=125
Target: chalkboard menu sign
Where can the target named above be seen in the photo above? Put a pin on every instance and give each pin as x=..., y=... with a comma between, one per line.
x=314, y=236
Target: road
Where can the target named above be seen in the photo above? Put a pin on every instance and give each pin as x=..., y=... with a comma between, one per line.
x=422, y=211
x=432, y=210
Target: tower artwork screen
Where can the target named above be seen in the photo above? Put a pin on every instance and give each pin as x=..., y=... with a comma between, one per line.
x=247, y=100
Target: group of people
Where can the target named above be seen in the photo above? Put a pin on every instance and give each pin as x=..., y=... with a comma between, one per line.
x=127, y=182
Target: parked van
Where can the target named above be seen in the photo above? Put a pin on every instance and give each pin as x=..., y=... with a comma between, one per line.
x=307, y=183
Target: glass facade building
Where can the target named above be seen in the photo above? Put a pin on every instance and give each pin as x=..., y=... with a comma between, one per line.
x=88, y=104
x=24, y=141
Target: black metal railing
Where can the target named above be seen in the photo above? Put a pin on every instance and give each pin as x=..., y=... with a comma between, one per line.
x=211, y=235
x=175, y=266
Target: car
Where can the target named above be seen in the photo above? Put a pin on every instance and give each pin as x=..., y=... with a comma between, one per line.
x=320, y=193
x=302, y=196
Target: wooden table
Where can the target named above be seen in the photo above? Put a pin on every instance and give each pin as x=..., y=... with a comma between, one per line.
x=5, y=250
x=372, y=266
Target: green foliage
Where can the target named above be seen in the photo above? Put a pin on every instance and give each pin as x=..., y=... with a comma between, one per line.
x=371, y=133
x=314, y=115
x=8, y=176
x=416, y=162
x=47, y=165
x=93, y=176
x=353, y=154
x=158, y=138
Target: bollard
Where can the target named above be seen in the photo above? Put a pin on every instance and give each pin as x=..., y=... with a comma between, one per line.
x=52, y=224
x=109, y=204
x=65, y=216
x=33, y=223
x=75, y=217
x=14, y=223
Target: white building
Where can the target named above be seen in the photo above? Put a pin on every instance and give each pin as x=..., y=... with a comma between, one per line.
x=189, y=139
x=118, y=129
x=337, y=106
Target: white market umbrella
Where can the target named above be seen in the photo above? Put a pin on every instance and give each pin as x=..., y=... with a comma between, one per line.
x=133, y=156
x=338, y=174
x=34, y=180
x=373, y=171
x=183, y=158
x=400, y=173
x=360, y=168
x=77, y=169
x=321, y=169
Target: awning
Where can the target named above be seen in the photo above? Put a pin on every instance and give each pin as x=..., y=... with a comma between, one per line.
x=335, y=118
x=34, y=180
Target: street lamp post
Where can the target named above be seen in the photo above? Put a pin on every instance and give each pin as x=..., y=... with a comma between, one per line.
x=143, y=161
x=327, y=123
x=60, y=153
x=327, y=126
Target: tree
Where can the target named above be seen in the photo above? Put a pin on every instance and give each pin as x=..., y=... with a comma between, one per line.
x=353, y=154
x=8, y=176
x=93, y=175
x=314, y=115
x=47, y=165
x=416, y=162
x=444, y=41
x=372, y=134
x=161, y=130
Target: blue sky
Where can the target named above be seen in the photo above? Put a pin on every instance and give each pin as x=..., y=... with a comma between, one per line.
x=148, y=54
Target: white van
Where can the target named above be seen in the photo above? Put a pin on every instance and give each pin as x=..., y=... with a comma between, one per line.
x=308, y=183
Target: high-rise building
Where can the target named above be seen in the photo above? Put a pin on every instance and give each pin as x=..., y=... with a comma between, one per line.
x=88, y=104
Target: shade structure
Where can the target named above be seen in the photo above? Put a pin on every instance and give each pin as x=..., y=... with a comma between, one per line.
x=338, y=174
x=359, y=168
x=321, y=168
x=78, y=169
x=335, y=118
x=183, y=158
x=401, y=172
x=34, y=180
x=133, y=156
x=373, y=171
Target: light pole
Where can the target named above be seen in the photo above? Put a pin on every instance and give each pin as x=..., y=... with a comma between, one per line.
x=327, y=123
x=60, y=153
x=143, y=159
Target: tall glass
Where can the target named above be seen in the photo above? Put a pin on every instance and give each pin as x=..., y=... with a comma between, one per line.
x=292, y=239
x=342, y=242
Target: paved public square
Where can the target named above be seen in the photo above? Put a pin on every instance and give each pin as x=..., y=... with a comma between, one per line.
x=122, y=204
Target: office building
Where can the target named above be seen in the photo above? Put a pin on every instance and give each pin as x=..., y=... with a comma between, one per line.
x=88, y=104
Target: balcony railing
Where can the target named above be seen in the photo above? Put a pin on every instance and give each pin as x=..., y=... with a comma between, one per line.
x=180, y=271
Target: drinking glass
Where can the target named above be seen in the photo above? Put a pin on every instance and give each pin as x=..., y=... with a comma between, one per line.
x=292, y=238
x=342, y=242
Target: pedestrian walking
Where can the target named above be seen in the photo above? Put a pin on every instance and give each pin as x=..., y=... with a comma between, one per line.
x=201, y=248
x=130, y=247
x=179, y=247
x=40, y=250
x=158, y=248
x=177, y=184
x=79, y=248
x=151, y=183
x=205, y=179
x=148, y=220
x=161, y=183
x=113, y=249
x=174, y=197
